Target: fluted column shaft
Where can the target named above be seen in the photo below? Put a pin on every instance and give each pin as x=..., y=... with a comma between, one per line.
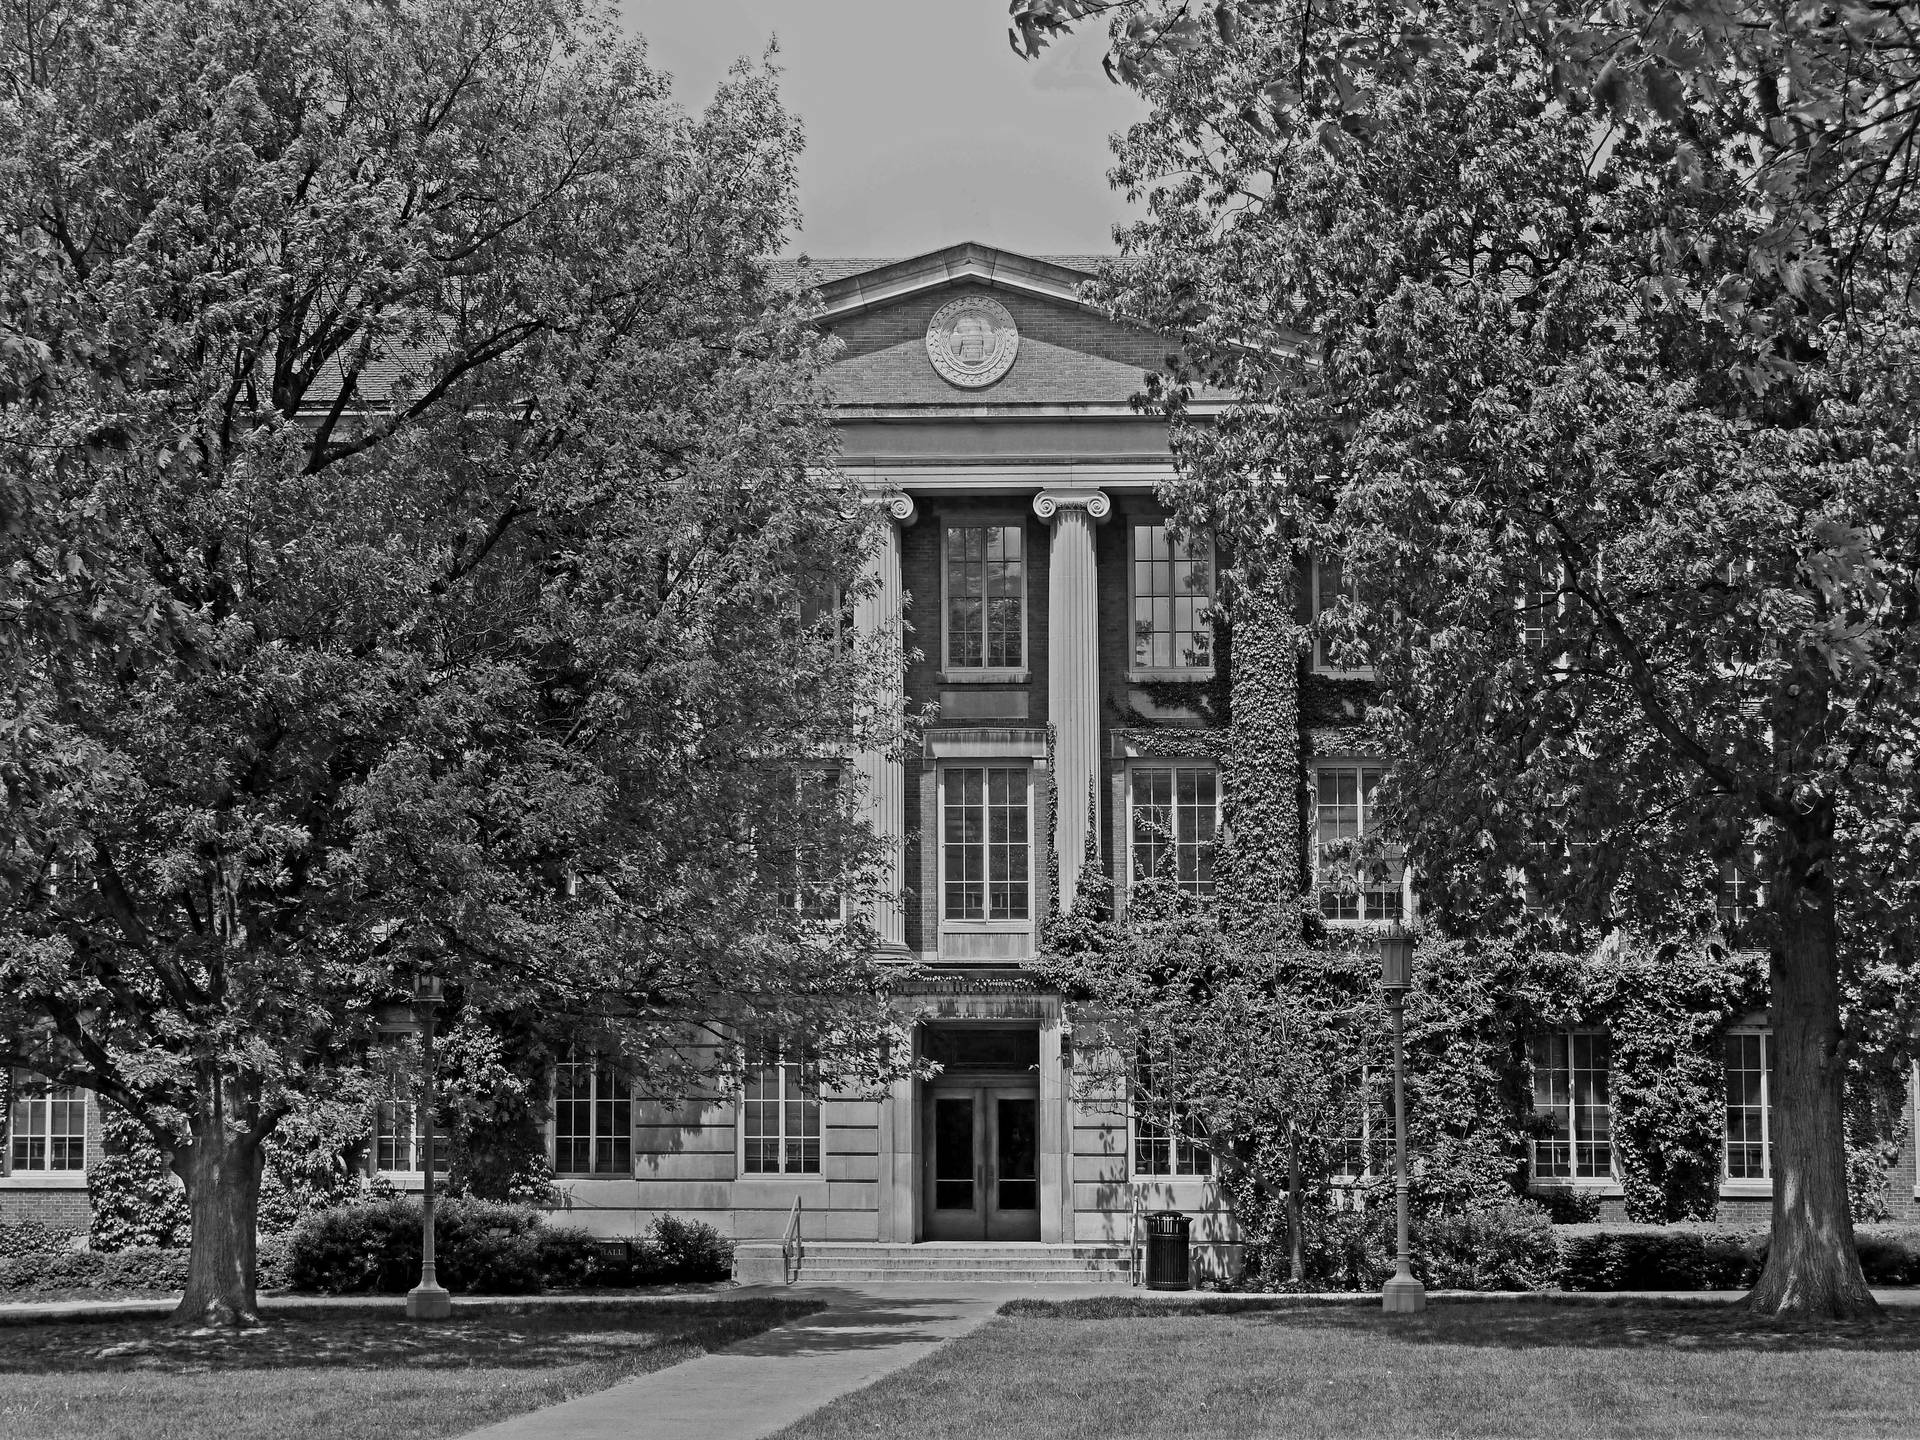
x=1073, y=674
x=878, y=612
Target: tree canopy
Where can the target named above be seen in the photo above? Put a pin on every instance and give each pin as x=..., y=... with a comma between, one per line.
x=1815, y=108
x=1623, y=475
x=422, y=549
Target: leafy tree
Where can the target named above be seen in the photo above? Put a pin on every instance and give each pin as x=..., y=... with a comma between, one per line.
x=1632, y=523
x=1821, y=103
x=411, y=491
x=1225, y=1037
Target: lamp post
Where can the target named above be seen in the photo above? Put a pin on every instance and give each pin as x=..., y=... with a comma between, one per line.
x=1402, y=1294
x=427, y=1300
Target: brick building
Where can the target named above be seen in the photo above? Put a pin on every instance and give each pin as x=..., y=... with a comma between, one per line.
x=1040, y=603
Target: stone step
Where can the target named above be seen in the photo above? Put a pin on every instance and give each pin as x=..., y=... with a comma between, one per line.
x=841, y=1262
x=845, y=1262
x=941, y=1275
x=988, y=1251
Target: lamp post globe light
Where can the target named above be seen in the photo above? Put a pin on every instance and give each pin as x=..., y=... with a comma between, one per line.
x=1402, y=1294
x=427, y=1300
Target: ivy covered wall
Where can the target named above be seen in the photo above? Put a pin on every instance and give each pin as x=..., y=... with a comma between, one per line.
x=1667, y=1003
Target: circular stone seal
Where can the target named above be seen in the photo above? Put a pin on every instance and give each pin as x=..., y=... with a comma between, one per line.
x=972, y=342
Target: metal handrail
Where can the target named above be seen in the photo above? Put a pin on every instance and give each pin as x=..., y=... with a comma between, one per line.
x=792, y=1252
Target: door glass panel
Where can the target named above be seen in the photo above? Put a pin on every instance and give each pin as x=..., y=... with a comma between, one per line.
x=1017, y=1153
x=953, y=1152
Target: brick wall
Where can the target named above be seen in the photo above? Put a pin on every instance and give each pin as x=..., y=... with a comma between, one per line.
x=1067, y=356
x=66, y=1209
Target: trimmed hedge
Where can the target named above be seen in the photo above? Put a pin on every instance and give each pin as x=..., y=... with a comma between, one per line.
x=1507, y=1247
x=1596, y=1258
x=142, y=1269
x=1889, y=1255
x=481, y=1247
x=1706, y=1258
x=375, y=1249
x=31, y=1237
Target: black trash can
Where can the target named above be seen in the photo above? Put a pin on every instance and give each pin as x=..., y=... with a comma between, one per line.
x=1169, y=1263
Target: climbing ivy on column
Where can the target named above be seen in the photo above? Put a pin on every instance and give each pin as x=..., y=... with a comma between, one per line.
x=1258, y=869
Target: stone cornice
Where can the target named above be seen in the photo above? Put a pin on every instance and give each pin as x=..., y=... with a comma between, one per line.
x=983, y=264
x=887, y=477
x=1049, y=503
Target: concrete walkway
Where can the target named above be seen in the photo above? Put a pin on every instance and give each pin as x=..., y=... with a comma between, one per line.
x=766, y=1383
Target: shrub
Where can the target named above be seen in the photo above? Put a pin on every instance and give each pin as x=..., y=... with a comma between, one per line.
x=675, y=1252
x=479, y=1247
x=137, y=1269
x=688, y=1251
x=571, y=1257
x=272, y=1262
x=1496, y=1247
x=31, y=1237
x=1690, y=1259
x=1889, y=1256
x=1568, y=1206
x=485, y=1248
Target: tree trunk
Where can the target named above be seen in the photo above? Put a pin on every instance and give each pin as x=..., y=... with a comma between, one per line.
x=222, y=1175
x=1812, y=1268
x=1296, y=1243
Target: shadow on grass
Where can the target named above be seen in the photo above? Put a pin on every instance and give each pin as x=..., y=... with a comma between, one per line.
x=531, y=1340
x=1690, y=1325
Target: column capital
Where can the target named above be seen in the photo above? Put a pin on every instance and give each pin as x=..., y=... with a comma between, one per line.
x=897, y=506
x=1049, y=503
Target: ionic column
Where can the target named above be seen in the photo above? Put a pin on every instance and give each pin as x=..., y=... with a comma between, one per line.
x=877, y=612
x=1073, y=673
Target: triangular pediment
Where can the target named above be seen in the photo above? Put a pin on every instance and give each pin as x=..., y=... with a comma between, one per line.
x=1066, y=351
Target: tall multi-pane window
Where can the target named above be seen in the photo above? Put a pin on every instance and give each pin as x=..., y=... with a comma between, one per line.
x=810, y=883
x=985, y=868
x=1542, y=604
x=1741, y=891
x=780, y=1112
x=1172, y=601
x=1361, y=1153
x=592, y=1118
x=399, y=1141
x=1343, y=802
x=1174, y=810
x=986, y=597
x=47, y=1127
x=1168, y=1141
x=1749, y=1090
x=1570, y=1100
x=1330, y=585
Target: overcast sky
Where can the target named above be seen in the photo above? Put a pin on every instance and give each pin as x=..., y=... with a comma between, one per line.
x=923, y=128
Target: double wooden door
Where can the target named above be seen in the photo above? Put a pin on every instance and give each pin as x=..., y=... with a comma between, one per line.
x=982, y=1179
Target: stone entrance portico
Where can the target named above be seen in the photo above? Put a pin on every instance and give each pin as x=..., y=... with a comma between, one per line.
x=985, y=409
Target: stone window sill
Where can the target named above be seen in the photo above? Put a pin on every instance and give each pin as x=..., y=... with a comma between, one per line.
x=44, y=1180
x=1605, y=1189
x=985, y=677
x=1170, y=677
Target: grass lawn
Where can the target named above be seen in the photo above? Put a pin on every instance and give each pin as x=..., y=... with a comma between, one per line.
x=1125, y=1367
x=341, y=1376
